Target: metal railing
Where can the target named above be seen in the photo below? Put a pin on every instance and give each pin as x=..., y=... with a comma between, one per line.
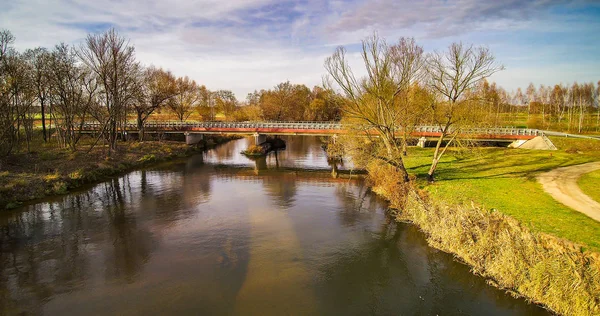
x=483, y=131
x=241, y=125
x=177, y=125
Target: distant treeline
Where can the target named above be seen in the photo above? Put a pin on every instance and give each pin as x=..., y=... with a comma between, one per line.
x=100, y=80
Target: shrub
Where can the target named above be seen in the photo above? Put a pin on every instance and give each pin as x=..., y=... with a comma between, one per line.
x=51, y=177
x=147, y=158
x=59, y=187
x=76, y=175
x=254, y=150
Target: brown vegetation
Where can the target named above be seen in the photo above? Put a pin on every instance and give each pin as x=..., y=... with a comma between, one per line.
x=544, y=269
x=50, y=170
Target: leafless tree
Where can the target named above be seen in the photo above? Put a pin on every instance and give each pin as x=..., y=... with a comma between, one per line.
x=451, y=75
x=112, y=60
x=38, y=59
x=73, y=91
x=409, y=61
x=372, y=102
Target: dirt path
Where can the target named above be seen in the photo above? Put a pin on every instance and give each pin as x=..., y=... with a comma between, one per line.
x=561, y=184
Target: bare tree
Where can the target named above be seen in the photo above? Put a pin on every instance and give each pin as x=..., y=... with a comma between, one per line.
x=112, y=60
x=17, y=98
x=409, y=60
x=38, y=59
x=157, y=88
x=74, y=93
x=7, y=129
x=451, y=75
x=373, y=102
x=598, y=106
x=531, y=97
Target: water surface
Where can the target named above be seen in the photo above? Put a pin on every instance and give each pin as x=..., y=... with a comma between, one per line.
x=219, y=234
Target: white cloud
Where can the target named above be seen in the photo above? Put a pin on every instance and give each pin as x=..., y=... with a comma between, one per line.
x=243, y=45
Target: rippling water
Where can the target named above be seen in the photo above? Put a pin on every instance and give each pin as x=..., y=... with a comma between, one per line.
x=221, y=234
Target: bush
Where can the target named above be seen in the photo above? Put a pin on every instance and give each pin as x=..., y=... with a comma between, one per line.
x=59, y=187
x=254, y=150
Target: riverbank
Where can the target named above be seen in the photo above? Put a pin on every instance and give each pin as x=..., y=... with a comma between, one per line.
x=50, y=171
x=506, y=180
x=489, y=211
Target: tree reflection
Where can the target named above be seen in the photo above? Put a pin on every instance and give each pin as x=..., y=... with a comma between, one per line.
x=358, y=203
x=47, y=249
x=282, y=189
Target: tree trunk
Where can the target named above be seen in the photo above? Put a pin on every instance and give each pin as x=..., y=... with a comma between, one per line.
x=436, y=159
x=140, y=126
x=397, y=163
x=43, y=121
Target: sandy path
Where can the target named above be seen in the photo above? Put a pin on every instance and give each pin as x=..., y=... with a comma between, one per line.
x=561, y=184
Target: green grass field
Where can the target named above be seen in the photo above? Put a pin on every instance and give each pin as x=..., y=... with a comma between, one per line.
x=505, y=179
x=590, y=184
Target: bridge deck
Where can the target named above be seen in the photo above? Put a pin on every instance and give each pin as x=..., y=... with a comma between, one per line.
x=307, y=128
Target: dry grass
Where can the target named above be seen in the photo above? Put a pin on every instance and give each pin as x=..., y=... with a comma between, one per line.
x=547, y=270
x=51, y=170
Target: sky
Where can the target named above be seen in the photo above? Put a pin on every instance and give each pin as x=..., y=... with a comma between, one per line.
x=247, y=45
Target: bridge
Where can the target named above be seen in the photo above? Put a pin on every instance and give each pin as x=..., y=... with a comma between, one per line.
x=194, y=130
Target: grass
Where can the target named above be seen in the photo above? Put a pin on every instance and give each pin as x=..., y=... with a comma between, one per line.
x=505, y=180
x=488, y=210
x=590, y=184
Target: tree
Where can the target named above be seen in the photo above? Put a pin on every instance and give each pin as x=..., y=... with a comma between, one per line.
x=531, y=97
x=206, y=107
x=598, y=106
x=557, y=101
x=409, y=62
x=7, y=120
x=325, y=105
x=186, y=98
x=286, y=102
x=372, y=102
x=225, y=102
x=157, y=89
x=73, y=93
x=38, y=59
x=451, y=75
x=112, y=60
x=18, y=97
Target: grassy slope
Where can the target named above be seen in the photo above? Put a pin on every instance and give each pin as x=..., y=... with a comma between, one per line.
x=504, y=179
x=590, y=184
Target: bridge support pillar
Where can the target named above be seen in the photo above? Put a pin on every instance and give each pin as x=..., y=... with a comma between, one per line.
x=422, y=142
x=259, y=138
x=192, y=139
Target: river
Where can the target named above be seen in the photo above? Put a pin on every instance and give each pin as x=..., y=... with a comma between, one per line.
x=219, y=234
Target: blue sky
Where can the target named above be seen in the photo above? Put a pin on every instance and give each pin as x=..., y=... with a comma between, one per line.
x=243, y=45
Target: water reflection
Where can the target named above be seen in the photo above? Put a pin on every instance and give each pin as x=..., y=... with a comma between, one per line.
x=215, y=234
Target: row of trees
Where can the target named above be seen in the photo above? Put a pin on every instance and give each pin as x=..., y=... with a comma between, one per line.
x=296, y=102
x=102, y=81
x=573, y=108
